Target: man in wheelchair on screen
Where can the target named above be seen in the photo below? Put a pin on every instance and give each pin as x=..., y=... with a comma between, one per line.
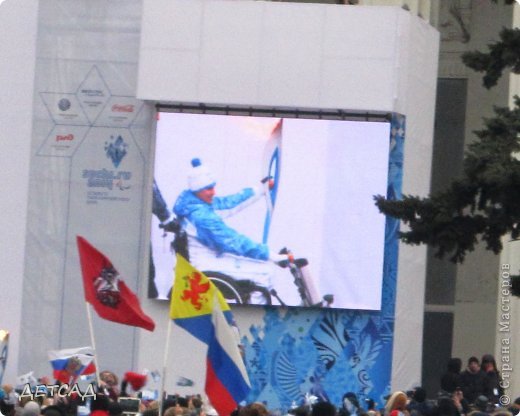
x=196, y=208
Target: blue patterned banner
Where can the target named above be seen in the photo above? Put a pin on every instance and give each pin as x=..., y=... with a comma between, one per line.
x=326, y=353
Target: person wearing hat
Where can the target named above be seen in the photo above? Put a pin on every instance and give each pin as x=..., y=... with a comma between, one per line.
x=481, y=404
x=31, y=408
x=472, y=380
x=198, y=206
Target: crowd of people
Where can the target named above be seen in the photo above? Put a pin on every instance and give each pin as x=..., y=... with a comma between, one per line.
x=475, y=391
x=107, y=400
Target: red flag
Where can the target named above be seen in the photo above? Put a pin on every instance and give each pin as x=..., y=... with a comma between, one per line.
x=136, y=380
x=109, y=296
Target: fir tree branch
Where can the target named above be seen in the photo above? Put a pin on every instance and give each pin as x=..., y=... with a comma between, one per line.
x=503, y=54
x=482, y=205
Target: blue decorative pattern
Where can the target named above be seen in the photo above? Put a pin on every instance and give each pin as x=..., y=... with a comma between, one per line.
x=328, y=352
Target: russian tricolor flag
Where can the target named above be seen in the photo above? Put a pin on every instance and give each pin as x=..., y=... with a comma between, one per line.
x=199, y=308
x=69, y=364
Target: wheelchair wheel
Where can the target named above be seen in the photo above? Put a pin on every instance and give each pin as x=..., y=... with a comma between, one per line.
x=226, y=285
x=239, y=291
x=256, y=295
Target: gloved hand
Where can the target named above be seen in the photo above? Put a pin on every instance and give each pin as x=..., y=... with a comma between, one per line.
x=269, y=180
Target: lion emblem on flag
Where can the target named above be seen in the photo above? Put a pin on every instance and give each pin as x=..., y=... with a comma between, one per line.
x=196, y=290
x=107, y=291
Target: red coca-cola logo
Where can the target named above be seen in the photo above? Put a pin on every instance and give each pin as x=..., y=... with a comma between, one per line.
x=123, y=108
x=64, y=137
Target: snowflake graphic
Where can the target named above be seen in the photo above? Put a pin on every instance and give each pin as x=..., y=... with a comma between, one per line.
x=116, y=150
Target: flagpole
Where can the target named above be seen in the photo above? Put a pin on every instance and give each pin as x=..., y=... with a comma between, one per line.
x=91, y=328
x=165, y=363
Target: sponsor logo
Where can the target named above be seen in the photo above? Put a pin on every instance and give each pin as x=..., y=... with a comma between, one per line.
x=93, y=93
x=115, y=149
x=103, y=178
x=64, y=137
x=123, y=108
x=64, y=104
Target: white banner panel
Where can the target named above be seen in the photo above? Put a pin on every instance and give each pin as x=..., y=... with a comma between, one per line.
x=89, y=168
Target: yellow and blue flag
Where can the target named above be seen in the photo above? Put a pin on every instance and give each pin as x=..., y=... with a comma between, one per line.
x=199, y=307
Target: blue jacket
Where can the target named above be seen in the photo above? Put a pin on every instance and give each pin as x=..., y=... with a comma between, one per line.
x=212, y=231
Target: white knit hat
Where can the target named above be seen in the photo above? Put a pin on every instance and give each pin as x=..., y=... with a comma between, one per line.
x=31, y=409
x=200, y=177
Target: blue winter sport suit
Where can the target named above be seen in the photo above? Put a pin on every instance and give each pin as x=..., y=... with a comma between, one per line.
x=212, y=231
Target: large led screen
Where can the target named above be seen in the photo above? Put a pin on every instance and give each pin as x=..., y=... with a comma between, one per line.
x=316, y=204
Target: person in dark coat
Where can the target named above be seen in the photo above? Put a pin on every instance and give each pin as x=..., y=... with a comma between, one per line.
x=450, y=380
x=472, y=380
x=492, y=379
x=419, y=405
